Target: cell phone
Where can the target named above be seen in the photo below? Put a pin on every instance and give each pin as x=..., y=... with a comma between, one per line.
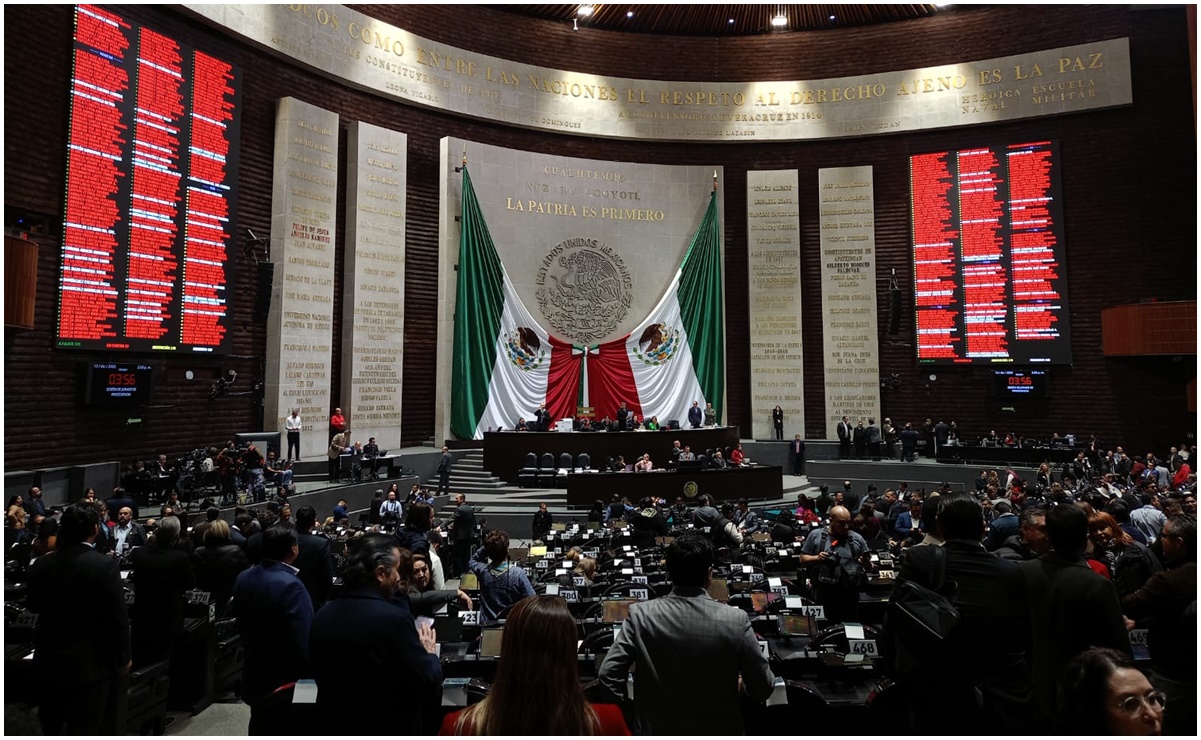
x=425, y=622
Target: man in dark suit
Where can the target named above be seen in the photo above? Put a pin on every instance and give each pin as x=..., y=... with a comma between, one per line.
x=797, y=449
x=542, y=419
x=623, y=413
x=365, y=643
x=315, y=558
x=844, y=431
x=162, y=573
x=908, y=443
x=34, y=503
x=463, y=532
x=120, y=499
x=991, y=591
x=1061, y=588
x=444, y=472
x=859, y=437
x=940, y=436
x=82, y=636
x=211, y=514
x=240, y=531
x=274, y=615
x=694, y=415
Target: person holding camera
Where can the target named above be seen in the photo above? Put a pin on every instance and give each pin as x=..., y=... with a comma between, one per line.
x=834, y=556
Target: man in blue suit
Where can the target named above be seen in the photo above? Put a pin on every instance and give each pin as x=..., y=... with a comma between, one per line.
x=365, y=644
x=694, y=415
x=274, y=615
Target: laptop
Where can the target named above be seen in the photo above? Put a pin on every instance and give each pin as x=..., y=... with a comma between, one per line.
x=538, y=551
x=518, y=554
x=760, y=600
x=490, y=640
x=797, y=625
x=617, y=610
x=448, y=629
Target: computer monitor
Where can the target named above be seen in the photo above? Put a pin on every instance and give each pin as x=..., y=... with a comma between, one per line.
x=617, y=610
x=263, y=441
x=797, y=625
x=490, y=640
x=760, y=600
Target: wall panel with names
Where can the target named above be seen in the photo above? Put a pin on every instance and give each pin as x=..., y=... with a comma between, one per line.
x=850, y=341
x=299, y=330
x=373, y=283
x=774, y=272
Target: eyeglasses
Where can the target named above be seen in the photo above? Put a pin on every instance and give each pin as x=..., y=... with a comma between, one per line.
x=1132, y=704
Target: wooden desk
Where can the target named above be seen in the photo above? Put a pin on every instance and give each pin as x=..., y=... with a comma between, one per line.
x=504, y=452
x=758, y=482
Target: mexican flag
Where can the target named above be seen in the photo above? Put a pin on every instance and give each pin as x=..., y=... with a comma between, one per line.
x=506, y=365
x=502, y=357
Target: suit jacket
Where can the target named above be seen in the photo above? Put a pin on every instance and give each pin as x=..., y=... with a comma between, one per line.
x=1072, y=608
x=844, y=431
x=363, y=648
x=991, y=592
x=216, y=567
x=316, y=565
x=160, y=577
x=274, y=615
x=622, y=415
x=135, y=538
x=1172, y=638
x=777, y=418
x=82, y=634
x=464, y=523
x=687, y=646
x=694, y=416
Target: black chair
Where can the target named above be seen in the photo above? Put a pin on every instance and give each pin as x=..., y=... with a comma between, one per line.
x=673, y=424
x=805, y=707
x=565, y=462
x=583, y=461
x=546, y=469
x=528, y=475
x=702, y=462
x=146, y=699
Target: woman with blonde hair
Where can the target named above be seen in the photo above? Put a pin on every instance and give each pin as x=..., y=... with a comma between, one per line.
x=537, y=691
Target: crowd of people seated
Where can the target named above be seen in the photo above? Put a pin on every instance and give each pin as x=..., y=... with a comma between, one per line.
x=1079, y=572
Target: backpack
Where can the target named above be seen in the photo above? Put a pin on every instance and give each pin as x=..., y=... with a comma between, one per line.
x=919, y=620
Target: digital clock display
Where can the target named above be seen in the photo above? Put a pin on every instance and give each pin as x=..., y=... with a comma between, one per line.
x=1021, y=383
x=117, y=384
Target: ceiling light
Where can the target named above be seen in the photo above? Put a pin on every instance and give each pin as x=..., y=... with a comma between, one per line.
x=629, y=14
x=780, y=21
x=584, y=11
x=831, y=18
x=731, y=21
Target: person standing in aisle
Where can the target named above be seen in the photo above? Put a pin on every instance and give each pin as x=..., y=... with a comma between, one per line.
x=292, y=425
x=444, y=472
x=777, y=421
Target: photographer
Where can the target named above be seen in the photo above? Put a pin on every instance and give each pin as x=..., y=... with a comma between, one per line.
x=833, y=556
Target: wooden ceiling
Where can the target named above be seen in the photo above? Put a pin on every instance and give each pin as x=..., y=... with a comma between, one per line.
x=721, y=20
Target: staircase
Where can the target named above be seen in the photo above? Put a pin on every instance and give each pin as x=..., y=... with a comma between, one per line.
x=468, y=476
